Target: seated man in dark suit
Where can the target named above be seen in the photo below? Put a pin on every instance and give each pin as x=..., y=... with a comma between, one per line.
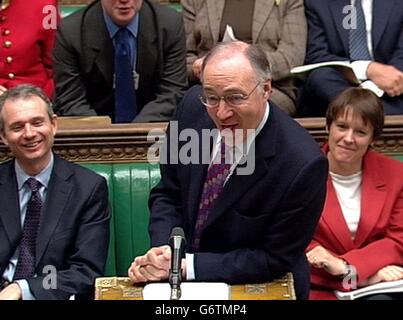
x=123, y=59
x=248, y=218
x=54, y=215
x=370, y=35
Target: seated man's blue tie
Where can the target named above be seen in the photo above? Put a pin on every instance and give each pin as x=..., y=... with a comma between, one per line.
x=26, y=259
x=358, y=37
x=125, y=94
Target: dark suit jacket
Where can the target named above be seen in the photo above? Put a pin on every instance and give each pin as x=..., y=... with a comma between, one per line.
x=379, y=238
x=261, y=223
x=74, y=228
x=328, y=40
x=84, y=63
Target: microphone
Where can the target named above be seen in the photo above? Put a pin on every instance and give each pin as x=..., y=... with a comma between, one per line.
x=177, y=242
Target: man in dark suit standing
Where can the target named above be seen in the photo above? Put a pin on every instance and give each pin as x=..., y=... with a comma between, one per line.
x=249, y=220
x=368, y=33
x=54, y=215
x=87, y=68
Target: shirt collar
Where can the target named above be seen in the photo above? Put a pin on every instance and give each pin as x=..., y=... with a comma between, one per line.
x=43, y=177
x=112, y=27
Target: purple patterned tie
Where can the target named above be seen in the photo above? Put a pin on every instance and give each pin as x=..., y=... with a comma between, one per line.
x=213, y=185
x=26, y=258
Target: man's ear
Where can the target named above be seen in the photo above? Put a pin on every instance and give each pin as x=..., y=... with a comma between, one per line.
x=267, y=89
x=3, y=137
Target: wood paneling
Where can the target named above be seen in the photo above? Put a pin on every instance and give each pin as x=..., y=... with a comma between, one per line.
x=99, y=142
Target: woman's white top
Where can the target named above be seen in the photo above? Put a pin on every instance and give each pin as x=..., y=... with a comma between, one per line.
x=348, y=191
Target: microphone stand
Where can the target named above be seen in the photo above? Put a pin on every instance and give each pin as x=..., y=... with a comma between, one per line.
x=175, y=281
x=177, y=243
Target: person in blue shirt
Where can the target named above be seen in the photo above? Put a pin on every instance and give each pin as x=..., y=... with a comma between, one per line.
x=54, y=215
x=85, y=63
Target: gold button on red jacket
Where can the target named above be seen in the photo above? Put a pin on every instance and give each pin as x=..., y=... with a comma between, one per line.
x=27, y=45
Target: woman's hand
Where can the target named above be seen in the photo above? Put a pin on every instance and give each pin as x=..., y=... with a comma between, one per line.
x=388, y=273
x=321, y=258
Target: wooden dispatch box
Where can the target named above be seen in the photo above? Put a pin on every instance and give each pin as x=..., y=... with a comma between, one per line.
x=120, y=288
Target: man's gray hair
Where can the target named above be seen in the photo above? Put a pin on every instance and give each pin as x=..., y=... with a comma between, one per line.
x=24, y=92
x=253, y=53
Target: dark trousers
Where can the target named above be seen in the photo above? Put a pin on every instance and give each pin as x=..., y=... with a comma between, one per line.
x=324, y=84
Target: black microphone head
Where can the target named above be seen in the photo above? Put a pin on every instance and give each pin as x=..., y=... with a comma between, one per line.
x=177, y=232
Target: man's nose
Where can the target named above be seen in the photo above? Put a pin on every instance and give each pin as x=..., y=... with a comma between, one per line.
x=29, y=131
x=224, y=111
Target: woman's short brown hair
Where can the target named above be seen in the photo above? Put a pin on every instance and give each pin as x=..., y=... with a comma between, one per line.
x=361, y=102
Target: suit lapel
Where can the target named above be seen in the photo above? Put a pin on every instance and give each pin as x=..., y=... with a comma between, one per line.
x=148, y=47
x=197, y=173
x=235, y=188
x=238, y=185
x=58, y=194
x=381, y=11
x=373, y=197
x=336, y=9
x=260, y=15
x=97, y=44
x=214, y=10
x=10, y=215
x=333, y=217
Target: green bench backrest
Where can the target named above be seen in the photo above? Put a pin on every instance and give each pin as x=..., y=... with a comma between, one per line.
x=66, y=10
x=129, y=188
x=398, y=157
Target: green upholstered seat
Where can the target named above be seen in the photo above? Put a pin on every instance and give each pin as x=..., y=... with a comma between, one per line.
x=66, y=10
x=129, y=188
x=398, y=157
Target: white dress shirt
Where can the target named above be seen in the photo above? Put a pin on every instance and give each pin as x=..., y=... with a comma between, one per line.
x=360, y=66
x=24, y=193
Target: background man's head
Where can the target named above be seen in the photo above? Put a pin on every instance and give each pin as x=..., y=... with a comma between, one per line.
x=236, y=83
x=28, y=126
x=122, y=11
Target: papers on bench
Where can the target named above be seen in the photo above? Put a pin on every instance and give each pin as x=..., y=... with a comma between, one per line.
x=382, y=287
x=345, y=67
x=190, y=291
x=228, y=34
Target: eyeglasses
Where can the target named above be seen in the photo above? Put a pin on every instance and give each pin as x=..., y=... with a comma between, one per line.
x=234, y=100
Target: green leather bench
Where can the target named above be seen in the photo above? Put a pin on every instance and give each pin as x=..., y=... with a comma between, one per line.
x=119, y=153
x=129, y=187
x=68, y=9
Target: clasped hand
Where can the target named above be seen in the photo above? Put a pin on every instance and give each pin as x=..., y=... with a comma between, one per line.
x=321, y=258
x=386, y=77
x=11, y=292
x=153, y=266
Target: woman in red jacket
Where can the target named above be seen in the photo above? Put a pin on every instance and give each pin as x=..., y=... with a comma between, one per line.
x=359, y=238
x=27, y=35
